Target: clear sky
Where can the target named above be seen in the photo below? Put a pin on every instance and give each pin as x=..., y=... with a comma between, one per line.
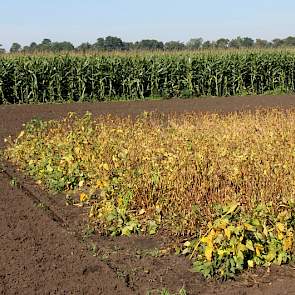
x=77, y=21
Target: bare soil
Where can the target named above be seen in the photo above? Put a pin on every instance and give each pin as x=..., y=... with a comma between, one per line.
x=46, y=247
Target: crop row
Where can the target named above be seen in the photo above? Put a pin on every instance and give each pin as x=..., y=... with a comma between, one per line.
x=33, y=79
x=223, y=185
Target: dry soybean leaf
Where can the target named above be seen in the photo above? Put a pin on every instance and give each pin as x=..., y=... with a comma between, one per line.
x=258, y=249
x=81, y=183
x=280, y=227
x=106, y=167
x=187, y=244
x=83, y=197
x=227, y=232
x=141, y=212
x=287, y=244
x=251, y=263
x=208, y=252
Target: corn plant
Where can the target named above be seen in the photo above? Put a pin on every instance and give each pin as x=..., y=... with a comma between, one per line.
x=58, y=78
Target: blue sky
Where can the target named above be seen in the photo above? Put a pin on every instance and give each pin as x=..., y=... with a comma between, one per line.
x=25, y=21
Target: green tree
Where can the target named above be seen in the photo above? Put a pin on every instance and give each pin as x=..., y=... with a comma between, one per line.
x=207, y=45
x=277, y=42
x=2, y=50
x=260, y=43
x=33, y=46
x=149, y=44
x=240, y=42
x=99, y=44
x=62, y=46
x=113, y=43
x=128, y=45
x=26, y=49
x=46, y=42
x=222, y=43
x=236, y=43
x=194, y=43
x=86, y=46
x=174, y=45
x=289, y=41
x=46, y=45
x=15, y=47
x=247, y=42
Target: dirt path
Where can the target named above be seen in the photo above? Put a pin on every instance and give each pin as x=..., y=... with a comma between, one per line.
x=13, y=116
x=38, y=256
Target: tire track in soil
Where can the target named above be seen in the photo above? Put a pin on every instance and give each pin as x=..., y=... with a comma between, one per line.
x=50, y=209
x=45, y=258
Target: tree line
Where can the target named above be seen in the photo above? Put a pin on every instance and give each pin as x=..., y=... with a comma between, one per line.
x=112, y=43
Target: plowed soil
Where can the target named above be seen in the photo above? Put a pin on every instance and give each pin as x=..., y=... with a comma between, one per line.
x=46, y=247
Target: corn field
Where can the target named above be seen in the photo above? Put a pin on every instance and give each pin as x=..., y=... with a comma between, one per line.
x=60, y=78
